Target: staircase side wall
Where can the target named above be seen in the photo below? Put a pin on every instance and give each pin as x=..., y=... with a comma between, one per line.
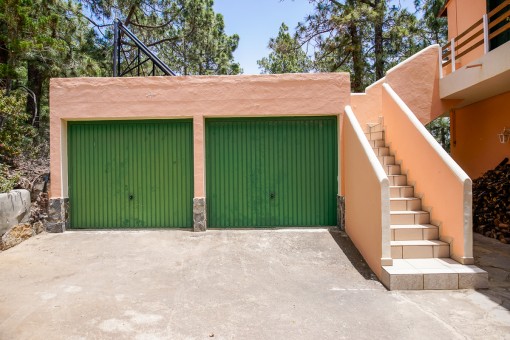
x=367, y=220
x=445, y=188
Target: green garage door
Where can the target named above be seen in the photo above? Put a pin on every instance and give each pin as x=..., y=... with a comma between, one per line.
x=130, y=174
x=271, y=172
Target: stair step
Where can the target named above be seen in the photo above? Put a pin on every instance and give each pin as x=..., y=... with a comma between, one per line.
x=386, y=160
x=401, y=191
x=375, y=135
x=419, y=249
x=409, y=232
x=398, y=180
x=435, y=273
x=392, y=169
x=382, y=151
x=375, y=128
x=409, y=217
x=376, y=143
x=405, y=204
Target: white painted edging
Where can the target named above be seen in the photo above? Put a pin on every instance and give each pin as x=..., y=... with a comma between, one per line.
x=461, y=176
x=385, y=187
x=414, y=56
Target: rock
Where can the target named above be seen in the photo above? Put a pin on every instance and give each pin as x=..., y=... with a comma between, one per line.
x=14, y=209
x=16, y=235
x=38, y=227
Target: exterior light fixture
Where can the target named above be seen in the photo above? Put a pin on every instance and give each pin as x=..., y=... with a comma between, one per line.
x=504, y=136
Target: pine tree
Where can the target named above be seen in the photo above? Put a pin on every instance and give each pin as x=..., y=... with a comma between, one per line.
x=186, y=34
x=40, y=39
x=363, y=37
x=286, y=55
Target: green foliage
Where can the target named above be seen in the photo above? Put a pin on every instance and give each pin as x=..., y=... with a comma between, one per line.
x=286, y=55
x=16, y=136
x=8, y=180
x=198, y=43
x=186, y=34
x=40, y=39
x=433, y=30
x=440, y=129
x=44, y=31
x=368, y=37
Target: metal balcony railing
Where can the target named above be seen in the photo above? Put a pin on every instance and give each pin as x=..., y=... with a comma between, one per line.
x=134, y=58
x=483, y=32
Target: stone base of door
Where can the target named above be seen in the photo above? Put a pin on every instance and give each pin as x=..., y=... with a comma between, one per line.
x=199, y=214
x=340, y=212
x=58, y=215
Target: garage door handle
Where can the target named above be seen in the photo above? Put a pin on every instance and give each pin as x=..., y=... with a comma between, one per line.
x=131, y=197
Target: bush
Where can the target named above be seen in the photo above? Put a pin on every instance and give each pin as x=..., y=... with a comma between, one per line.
x=16, y=134
x=8, y=180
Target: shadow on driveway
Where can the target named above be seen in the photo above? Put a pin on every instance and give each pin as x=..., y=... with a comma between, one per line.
x=494, y=257
x=353, y=255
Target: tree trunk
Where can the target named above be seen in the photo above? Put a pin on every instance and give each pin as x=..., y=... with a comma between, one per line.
x=380, y=8
x=357, y=59
x=35, y=79
x=6, y=75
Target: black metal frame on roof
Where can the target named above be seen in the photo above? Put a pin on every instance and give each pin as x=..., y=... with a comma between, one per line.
x=136, y=62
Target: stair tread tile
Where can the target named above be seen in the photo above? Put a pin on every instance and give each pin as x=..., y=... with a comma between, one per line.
x=413, y=226
x=408, y=212
x=418, y=243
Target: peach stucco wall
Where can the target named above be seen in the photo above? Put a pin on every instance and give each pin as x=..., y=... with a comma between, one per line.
x=196, y=97
x=367, y=106
x=367, y=220
x=474, y=141
x=416, y=80
x=445, y=189
x=461, y=15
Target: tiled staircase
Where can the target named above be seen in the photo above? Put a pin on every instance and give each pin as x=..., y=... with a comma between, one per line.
x=420, y=259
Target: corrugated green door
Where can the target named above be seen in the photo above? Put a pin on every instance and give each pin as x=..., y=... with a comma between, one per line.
x=271, y=172
x=130, y=174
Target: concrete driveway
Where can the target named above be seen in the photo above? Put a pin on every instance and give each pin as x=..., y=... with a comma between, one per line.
x=244, y=284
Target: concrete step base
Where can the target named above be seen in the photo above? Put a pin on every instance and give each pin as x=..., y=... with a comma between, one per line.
x=433, y=274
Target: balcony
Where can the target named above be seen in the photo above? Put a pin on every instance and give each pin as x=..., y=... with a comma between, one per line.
x=475, y=64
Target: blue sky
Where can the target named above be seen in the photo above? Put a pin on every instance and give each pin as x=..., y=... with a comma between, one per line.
x=256, y=21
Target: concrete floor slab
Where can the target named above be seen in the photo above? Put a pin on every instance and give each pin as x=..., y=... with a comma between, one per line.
x=240, y=284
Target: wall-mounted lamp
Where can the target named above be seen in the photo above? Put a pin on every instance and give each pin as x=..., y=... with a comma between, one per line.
x=504, y=136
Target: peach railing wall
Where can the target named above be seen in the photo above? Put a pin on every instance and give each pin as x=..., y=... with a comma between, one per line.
x=416, y=80
x=367, y=220
x=446, y=188
x=367, y=106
